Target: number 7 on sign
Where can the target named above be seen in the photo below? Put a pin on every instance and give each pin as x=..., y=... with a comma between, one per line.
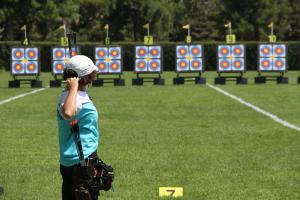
x=148, y=40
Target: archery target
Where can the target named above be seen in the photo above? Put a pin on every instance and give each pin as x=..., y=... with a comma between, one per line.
x=58, y=67
x=154, y=65
x=154, y=52
x=18, y=67
x=115, y=66
x=102, y=66
x=279, y=50
x=195, y=51
x=59, y=53
x=141, y=65
x=31, y=53
x=31, y=67
x=17, y=53
x=224, y=51
x=182, y=51
x=182, y=65
x=238, y=64
x=115, y=53
x=224, y=64
x=196, y=64
x=101, y=53
x=265, y=50
x=141, y=52
x=265, y=64
x=73, y=53
x=279, y=64
x=238, y=51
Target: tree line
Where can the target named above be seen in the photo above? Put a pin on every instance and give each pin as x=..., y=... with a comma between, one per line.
x=126, y=18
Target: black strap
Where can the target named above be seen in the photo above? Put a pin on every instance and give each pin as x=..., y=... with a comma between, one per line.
x=75, y=131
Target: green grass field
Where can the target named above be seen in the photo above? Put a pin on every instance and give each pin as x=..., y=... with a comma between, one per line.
x=186, y=136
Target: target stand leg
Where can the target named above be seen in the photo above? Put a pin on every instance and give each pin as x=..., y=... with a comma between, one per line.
x=282, y=80
x=241, y=81
x=260, y=80
x=158, y=81
x=97, y=83
x=119, y=82
x=178, y=81
x=55, y=83
x=200, y=80
x=220, y=81
x=36, y=84
x=137, y=81
x=14, y=84
x=298, y=80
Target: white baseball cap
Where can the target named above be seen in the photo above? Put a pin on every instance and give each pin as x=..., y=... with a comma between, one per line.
x=81, y=64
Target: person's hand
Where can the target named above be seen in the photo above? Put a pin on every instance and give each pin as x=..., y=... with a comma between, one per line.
x=72, y=83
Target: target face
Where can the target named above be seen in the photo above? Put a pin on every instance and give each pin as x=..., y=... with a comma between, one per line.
x=265, y=64
x=224, y=64
x=31, y=67
x=101, y=53
x=115, y=66
x=73, y=53
x=18, y=67
x=182, y=51
x=17, y=53
x=196, y=64
x=141, y=52
x=155, y=52
x=195, y=51
x=31, y=53
x=154, y=65
x=279, y=50
x=115, y=53
x=265, y=50
x=279, y=64
x=58, y=53
x=182, y=65
x=238, y=64
x=102, y=66
x=141, y=65
x=224, y=51
x=238, y=50
x=58, y=67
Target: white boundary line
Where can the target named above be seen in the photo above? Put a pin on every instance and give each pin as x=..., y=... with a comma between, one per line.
x=257, y=109
x=22, y=95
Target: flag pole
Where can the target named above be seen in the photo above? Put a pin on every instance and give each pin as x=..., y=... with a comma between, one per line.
x=65, y=30
x=229, y=26
x=148, y=30
x=25, y=30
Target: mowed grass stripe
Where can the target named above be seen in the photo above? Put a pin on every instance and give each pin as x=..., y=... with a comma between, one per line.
x=186, y=136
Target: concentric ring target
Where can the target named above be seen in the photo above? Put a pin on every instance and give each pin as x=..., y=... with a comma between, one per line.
x=115, y=53
x=238, y=50
x=154, y=51
x=141, y=65
x=101, y=53
x=265, y=50
x=31, y=67
x=18, y=67
x=73, y=53
x=182, y=51
x=196, y=51
x=31, y=53
x=224, y=64
x=238, y=64
x=279, y=50
x=17, y=53
x=196, y=65
x=182, y=65
x=102, y=66
x=265, y=64
x=154, y=65
x=224, y=51
x=279, y=64
x=58, y=53
x=141, y=52
x=115, y=66
x=58, y=67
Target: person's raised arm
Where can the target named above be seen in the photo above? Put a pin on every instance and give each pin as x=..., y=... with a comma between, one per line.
x=69, y=108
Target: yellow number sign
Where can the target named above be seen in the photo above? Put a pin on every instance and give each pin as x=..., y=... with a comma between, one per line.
x=107, y=41
x=230, y=38
x=170, y=192
x=272, y=38
x=64, y=41
x=188, y=39
x=148, y=40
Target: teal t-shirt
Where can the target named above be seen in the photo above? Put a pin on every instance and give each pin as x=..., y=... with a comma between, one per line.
x=87, y=117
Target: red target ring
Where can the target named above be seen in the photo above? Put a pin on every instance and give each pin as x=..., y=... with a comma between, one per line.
x=101, y=66
x=18, y=54
x=266, y=63
x=182, y=51
x=101, y=53
x=154, y=52
x=31, y=54
x=141, y=65
x=225, y=64
x=31, y=67
x=115, y=66
x=279, y=50
x=142, y=52
x=18, y=67
x=154, y=65
x=182, y=64
x=278, y=64
x=196, y=64
x=237, y=64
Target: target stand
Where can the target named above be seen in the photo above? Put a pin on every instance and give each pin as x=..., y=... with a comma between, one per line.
x=60, y=55
x=272, y=60
x=189, y=61
x=109, y=62
x=25, y=67
x=148, y=65
x=231, y=64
